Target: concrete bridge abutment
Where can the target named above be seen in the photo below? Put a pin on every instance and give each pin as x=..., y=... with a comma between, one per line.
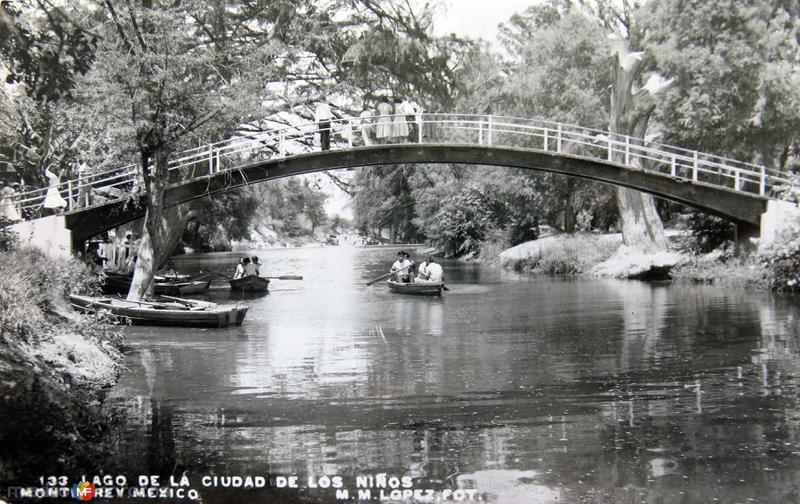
x=48, y=234
x=781, y=218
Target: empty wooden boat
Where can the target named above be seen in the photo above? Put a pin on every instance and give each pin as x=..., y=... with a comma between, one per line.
x=119, y=283
x=175, y=312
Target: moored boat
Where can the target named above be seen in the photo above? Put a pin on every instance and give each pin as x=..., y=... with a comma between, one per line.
x=176, y=312
x=417, y=288
x=118, y=283
x=249, y=284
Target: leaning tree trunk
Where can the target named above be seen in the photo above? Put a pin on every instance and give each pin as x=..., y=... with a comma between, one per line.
x=162, y=230
x=641, y=225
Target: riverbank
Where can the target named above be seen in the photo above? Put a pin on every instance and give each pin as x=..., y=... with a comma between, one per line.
x=55, y=369
x=776, y=268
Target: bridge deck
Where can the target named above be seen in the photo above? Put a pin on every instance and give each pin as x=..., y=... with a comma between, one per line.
x=687, y=176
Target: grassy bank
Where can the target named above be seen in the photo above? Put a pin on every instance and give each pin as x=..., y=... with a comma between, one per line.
x=560, y=254
x=774, y=268
x=723, y=269
x=55, y=368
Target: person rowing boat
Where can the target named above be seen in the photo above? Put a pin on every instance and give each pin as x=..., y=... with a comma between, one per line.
x=400, y=268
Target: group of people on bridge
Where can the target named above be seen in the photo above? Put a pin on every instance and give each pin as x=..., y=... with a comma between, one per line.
x=392, y=121
x=78, y=193
x=405, y=270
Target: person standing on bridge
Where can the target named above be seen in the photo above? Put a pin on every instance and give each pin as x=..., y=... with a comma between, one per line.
x=323, y=117
x=82, y=170
x=400, y=127
x=53, y=202
x=383, y=130
x=7, y=207
x=366, y=127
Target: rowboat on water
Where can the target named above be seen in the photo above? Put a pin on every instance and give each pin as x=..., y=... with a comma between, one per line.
x=118, y=283
x=175, y=312
x=417, y=288
x=249, y=284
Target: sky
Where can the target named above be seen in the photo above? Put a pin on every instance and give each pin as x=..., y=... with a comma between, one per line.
x=477, y=18
x=467, y=18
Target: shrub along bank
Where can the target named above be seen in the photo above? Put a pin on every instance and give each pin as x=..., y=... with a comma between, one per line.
x=55, y=368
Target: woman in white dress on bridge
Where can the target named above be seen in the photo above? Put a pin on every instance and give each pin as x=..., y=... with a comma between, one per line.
x=7, y=207
x=53, y=200
x=400, y=128
x=383, y=129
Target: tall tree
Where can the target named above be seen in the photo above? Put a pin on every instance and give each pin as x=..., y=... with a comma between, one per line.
x=160, y=79
x=737, y=79
x=43, y=53
x=630, y=114
x=557, y=71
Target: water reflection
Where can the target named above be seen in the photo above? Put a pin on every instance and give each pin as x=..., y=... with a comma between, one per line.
x=523, y=389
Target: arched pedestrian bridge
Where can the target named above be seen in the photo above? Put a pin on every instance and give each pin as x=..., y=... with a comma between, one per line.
x=734, y=190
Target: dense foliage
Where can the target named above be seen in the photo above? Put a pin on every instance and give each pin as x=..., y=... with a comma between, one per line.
x=54, y=367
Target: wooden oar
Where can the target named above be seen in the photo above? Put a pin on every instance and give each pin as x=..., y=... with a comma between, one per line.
x=283, y=277
x=387, y=275
x=223, y=275
x=189, y=302
x=444, y=287
x=162, y=305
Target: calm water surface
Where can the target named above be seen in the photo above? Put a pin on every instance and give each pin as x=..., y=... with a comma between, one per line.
x=525, y=389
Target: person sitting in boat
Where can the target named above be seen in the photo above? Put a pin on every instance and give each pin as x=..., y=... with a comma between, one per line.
x=400, y=268
x=422, y=270
x=433, y=272
x=255, y=262
x=411, y=268
x=240, y=269
x=250, y=269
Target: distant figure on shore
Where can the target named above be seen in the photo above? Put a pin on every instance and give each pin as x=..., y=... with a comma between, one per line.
x=257, y=265
x=433, y=272
x=53, y=202
x=323, y=117
x=96, y=256
x=383, y=129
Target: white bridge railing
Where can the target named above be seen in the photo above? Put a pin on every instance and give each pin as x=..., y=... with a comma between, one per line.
x=459, y=129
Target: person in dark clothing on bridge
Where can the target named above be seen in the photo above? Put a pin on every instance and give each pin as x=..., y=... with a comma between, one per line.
x=323, y=118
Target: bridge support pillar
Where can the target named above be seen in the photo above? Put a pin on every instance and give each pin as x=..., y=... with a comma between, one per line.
x=781, y=217
x=48, y=234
